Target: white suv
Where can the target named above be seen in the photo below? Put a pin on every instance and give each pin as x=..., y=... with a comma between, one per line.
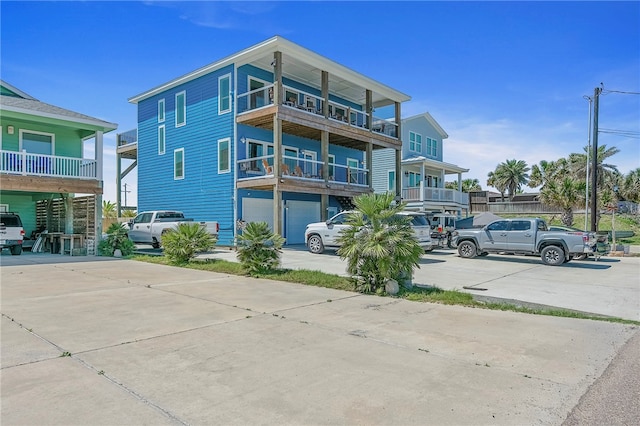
x=321, y=235
x=11, y=232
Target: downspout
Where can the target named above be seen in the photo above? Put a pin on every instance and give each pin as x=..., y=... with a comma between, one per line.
x=234, y=154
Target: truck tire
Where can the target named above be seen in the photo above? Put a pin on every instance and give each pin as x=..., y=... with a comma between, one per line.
x=467, y=249
x=155, y=244
x=315, y=244
x=552, y=255
x=16, y=250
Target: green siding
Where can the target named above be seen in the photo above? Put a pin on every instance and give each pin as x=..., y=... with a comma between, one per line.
x=25, y=206
x=68, y=143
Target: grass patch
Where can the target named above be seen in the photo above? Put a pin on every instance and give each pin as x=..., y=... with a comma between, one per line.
x=417, y=294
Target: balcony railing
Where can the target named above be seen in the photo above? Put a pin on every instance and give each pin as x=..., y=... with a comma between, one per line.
x=435, y=195
x=24, y=163
x=303, y=169
x=312, y=104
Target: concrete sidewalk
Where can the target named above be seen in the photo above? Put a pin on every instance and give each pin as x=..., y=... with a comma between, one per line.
x=153, y=344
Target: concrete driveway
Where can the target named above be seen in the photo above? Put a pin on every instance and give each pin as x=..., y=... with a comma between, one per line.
x=103, y=341
x=610, y=286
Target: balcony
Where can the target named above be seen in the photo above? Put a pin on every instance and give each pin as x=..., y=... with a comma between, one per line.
x=24, y=163
x=302, y=175
x=302, y=115
x=441, y=196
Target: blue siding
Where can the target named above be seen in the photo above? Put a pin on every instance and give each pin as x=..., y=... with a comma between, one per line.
x=203, y=194
x=421, y=126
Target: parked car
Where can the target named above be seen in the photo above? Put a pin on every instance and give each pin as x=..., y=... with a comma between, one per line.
x=523, y=236
x=321, y=235
x=148, y=227
x=11, y=232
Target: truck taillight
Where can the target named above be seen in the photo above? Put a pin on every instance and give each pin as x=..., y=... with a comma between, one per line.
x=22, y=233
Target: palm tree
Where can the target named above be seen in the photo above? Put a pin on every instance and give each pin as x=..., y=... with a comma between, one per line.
x=510, y=175
x=493, y=179
x=578, y=163
x=565, y=194
x=468, y=185
x=547, y=171
x=630, y=189
x=109, y=209
x=379, y=244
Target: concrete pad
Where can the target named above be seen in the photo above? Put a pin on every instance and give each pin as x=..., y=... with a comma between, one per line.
x=61, y=391
x=20, y=346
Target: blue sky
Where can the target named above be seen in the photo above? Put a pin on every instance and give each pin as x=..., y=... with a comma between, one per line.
x=504, y=79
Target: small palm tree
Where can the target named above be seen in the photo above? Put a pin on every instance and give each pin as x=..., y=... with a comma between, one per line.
x=181, y=244
x=117, y=239
x=631, y=186
x=564, y=194
x=109, y=210
x=468, y=185
x=129, y=213
x=379, y=244
x=511, y=174
x=259, y=248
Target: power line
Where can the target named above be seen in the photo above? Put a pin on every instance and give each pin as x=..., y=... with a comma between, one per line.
x=606, y=92
x=626, y=133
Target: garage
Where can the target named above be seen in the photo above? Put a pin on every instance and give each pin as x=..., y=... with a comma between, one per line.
x=257, y=210
x=298, y=214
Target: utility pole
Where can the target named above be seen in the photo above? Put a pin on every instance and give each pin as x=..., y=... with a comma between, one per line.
x=586, y=194
x=594, y=164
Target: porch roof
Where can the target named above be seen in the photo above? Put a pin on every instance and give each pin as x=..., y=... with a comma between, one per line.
x=448, y=168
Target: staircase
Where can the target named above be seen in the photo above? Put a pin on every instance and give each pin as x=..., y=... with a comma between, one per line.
x=346, y=203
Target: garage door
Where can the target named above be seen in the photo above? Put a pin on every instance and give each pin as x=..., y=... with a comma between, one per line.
x=299, y=214
x=257, y=210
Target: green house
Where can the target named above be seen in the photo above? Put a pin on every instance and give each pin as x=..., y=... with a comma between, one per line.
x=49, y=156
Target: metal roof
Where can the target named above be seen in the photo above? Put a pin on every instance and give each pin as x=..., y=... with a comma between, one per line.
x=299, y=64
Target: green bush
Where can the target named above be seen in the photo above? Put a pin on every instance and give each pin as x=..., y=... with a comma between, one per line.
x=379, y=244
x=116, y=239
x=181, y=244
x=259, y=248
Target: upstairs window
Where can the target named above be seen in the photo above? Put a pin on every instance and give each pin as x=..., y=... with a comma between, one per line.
x=415, y=142
x=432, y=147
x=161, y=140
x=161, y=111
x=224, y=94
x=178, y=164
x=181, y=109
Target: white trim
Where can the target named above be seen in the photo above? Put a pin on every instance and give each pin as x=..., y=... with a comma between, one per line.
x=164, y=139
x=53, y=138
x=184, y=93
x=220, y=110
x=175, y=177
x=228, y=169
x=163, y=109
x=4, y=208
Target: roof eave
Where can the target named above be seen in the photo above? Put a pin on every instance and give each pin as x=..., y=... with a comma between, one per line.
x=99, y=124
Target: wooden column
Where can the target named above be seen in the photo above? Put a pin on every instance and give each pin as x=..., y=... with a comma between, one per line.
x=369, y=109
x=277, y=158
x=369, y=160
x=277, y=78
x=324, y=146
x=325, y=94
x=99, y=154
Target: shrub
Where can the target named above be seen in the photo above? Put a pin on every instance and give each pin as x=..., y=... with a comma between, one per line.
x=117, y=238
x=259, y=248
x=181, y=244
x=379, y=244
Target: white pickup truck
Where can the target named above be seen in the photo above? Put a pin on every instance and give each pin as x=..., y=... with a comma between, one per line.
x=148, y=227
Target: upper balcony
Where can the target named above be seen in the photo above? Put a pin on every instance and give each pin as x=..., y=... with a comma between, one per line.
x=57, y=173
x=303, y=115
x=436, y=196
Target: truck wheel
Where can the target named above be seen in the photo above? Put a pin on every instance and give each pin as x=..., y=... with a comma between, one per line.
x=552, y=256
x=315, y=244
x=16, y=250
x=467, y=249
x=155, y=244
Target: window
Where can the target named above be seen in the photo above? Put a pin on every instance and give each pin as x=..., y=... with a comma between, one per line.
x=498, y=226
x=259, y=95
x=520, y=225
x=224, y=94
x=181, y=109
x=178, y=164
x=414, y=179
x=37, y=142
x=415, y=142
x=391, y=174
x=352, y=170
x=224, y=156
x=161, y=140
x=432, y=147
x=161, y=111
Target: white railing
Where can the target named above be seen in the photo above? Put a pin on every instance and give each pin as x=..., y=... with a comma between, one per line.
x=24, y=163
x=313, y=104
x=435, y=195
x=300, y=168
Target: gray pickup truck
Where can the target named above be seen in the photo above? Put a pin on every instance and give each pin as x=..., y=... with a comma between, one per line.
x=522, y=236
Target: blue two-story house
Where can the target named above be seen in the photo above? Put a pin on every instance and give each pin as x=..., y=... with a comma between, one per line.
x=422, y=171
x=273, y=133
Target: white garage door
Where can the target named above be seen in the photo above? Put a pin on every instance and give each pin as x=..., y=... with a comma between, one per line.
x=299, y=214
x=257, y=210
